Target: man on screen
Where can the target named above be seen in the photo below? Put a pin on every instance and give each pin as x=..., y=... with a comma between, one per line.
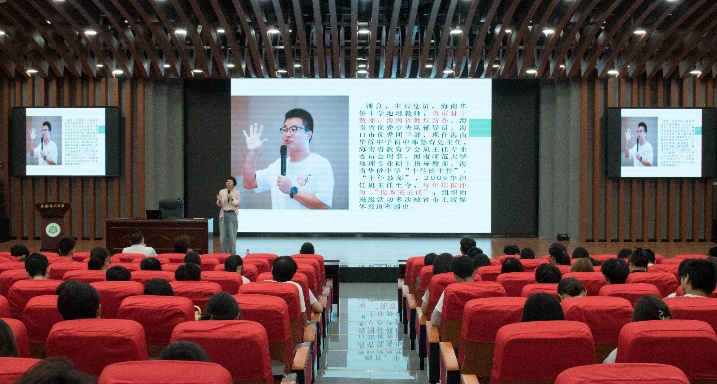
x=309, y=180
x=46, y=152
x=641, y=152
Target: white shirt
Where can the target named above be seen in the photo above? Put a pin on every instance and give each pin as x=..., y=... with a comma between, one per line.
x=312, y=298
x=437, y=312
x=312, y=175
x=50, y=150
x=645, y=150
x=140, y=248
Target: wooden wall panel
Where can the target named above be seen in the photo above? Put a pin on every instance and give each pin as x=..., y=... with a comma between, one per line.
x=93, y=200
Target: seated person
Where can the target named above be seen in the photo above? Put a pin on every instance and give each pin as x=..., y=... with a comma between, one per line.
x=571, y=287
x=37, y=266
x=442, y=264
x=118, y=273
x=542, y=307
x=66, y=246
x=150, y=264
x=56, y=369
x=193, y=257
x=99, y=259
x=558, y=254
x=184, y=350
x=307, y=249
x=511, y=249
x=651, y=259
x=582, y=265
x=234, y=263
x=221, y=306
x=466, y=244
x=188, y=272
x=480, y=259
x=511, y=264
x=20, y=251
x=580, y=253
x=138, y=246
x=638, y=261
x=698, y=278
x=624, y=253
x=463, y=270
x=8, y=346
x=427, y=260
x=527, y=253
x=615, y=271
x=283, y=270
x=181, y=244
x=649, y=307
x=77, y=300
x=158, y=287
x=547, y=274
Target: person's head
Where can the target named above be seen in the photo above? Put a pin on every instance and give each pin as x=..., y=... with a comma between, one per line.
x=582, y=265
x=580, y=252
x=558, y=254
x=150, y=264
x=55, y=370
x=19, y=250
x=547, y=273
x=511, y=249
x=307, y=249
x=481, y=260
x=193, y=257
x=66, y=246
x=527, y=253
x=188, y=272
x=651, y=259
x=624, y=253
x=231, y=182
x=37, y=266
x=184, y=350
x=78, y=300
x=429, y=259
x=136, y=237
x=641, y=131
x=615, y=271
x=221, y=306
x=46, y=130
x=571, y=287
x=511, y=264
x=463, y=268
x=651, y=307
x=158, y=287
x=181, y=244
x=442, y=263
x=466, y=244
x=8, y=346
x=234, y=263
x=118, y=273
x=283, y=269
x=99, y=259
x=697, y=277
x=637, y=261
x=542, y=307
x=712, y=252
x=298, y=129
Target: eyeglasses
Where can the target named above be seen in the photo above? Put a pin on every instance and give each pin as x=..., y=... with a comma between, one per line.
x=293, y=129
x=640, y=131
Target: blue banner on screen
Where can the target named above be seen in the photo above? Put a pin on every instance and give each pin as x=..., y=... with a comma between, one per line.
x=366, y=156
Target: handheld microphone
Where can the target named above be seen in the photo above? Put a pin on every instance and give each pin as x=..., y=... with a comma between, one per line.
x=282, y=151
x=638, y=145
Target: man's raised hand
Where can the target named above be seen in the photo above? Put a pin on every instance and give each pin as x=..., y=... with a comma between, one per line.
x=253, y=139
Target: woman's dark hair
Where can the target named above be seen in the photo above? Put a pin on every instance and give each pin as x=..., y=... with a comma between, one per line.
x=580, y=253
x=527, y=253
x=150, y=264
x=181, y=243
x=559, y=253
x=184, y=350
x=651, y=307
x=511, y=249
x=221, y=306
x=55, y=370
x=232, y=263
x=429, y=259
x=542, y=307
x=118, y=273
x=188, y=272
x=570, y=286
x=307, y=249
x=547, y=273
x=98, y=258
x=158, y=287
x=442, y=263
x=193, y=257
x=481, y=260
x=511, y=264
x=8, y=347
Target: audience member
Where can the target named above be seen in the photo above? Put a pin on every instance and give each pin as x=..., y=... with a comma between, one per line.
x=77, y=300
x=99, y=259
x=221, y=306
x=158, y=287
x=481, y=260
x=307, y=249
x=580, y=253
x=150, y=264
x=582, y=265
x=651, y=259
x=283, y=270
x=463, y=270
x=20, y=251
x=511, y=264
x=712, y=252
x=429, y=258
x=571, y=287
x=181, y=244
x=637, y=261
x=542, y=307
x=193, y=257
x=547, y=274
x=615, y=271
x=466, y=244
x=527, y=253
x=55, y=370
x=234, y=263
x=137, y=240
x=188, y=272
x=118, y=273
x=37, y=266
x=624, y=253
x=511, y=249
x=8, y=347
x=698, y=277
x=442, y=264
x=184, y=350
x=649, y=307
x=66, y=246
x=558, y=254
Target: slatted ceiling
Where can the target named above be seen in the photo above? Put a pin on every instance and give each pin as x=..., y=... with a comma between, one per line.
x=479, y=41
x=201, y=59
x=444, y=42
x=686, y=59
x=409, y=39
x=125, y=63
x=335, y=55
x=236, y=57
x=133, y=37
x=256, y=67
x=149, y=32
x=354, y=39
x=668, y=53
x=388, y=69
x=302, y=39
x=319, y=49
x=95, y=52
x=591, y=32
x=518, y=37
x=527, y=61
x=176, y=41
x=373, y=64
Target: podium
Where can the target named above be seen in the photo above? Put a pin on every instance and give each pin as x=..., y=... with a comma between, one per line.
x=55, y=224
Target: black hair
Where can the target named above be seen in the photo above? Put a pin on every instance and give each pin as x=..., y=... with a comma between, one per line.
x=547, y=273
x=462, y=267
x=559, y=253
x=570, y=286
x=181, y=244
x=78, y=300
x=580, y=252
x=642, y=124
x=307, y=249
x=55, y=370
x=98, y=258
x=303, y=115
x=184, y=350
x=701, y=272
x=651, y=307
x=542, y=307
x=466, y=244
x=712, y=252
x=19, y=250
x=442, y=263
x=481, y=260
x=429, y=259
x=511, y=264
x=624, y=253
x=233, y=179
x=511, y=249
x=221, y=306
x=651, y=259
x=36, y=264
x=638, y=258
x=150, y=264
x=118, y=273
x=8, y=346
x=232, y=263
x=136, y=236
x=615, y=270
x=193, y=257
x=283, y=269
x=66, y=245
x=527, y=253
x=188, y=272
x=158, y=287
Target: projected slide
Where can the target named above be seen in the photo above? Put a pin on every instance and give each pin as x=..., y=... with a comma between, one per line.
x=366, y=156
x=65, y=141
x=661, y=142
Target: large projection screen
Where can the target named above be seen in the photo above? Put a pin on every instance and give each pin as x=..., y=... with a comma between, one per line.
x=387, y=155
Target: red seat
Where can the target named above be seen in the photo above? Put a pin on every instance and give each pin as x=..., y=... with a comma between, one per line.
x=170, y=267
x=158, y=315
x=592, y=281
x=623, y=373
x=438, y=284
x=286, y=292
x=85, y=276
x=8, y=278
x=685, y=256
x=665, y=267
x=229, y=281
x=424, y=281
x=455, y=297
x=240, y=346
x=208, y=263
x=197, y=291
x=221, y=257
x=249, y=271
x=560, y=344
x=21, y=339
x=132, y=267
x=529, y=265
x=272, y=313
x=165, y=371
x=630, y=291
x=604, y=315
x=145, y=276
x=413, y=268
x=4, y=307
x=128, y=257
x=24, y=290
x=39, y=316
x=312, y=277
x=12, y=368
x=173, y=257
x=489, y=272
x=603, y=257
x=664, y=281
x=694, y=308
x=659, y=258
x=92, y=344
x=689, y=345
x=10, y=265
x=57, y=271
x=270, y=257
x=321, y=269
x=515, y=281
x=113, y=292
x=262, y=265
x=531, y=289
x=80, y=256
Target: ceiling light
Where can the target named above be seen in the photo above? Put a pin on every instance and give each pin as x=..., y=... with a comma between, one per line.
x=456, y=31
x=48, y=22
x=30, y=70
x=297, y=65
x=281, y=71
x=496, y=65
x=562, y=65
x=447, y=71
x=362, y=65
x=531, y=71
x=613, y=72
x=695, y=72
x=117, y=72
x=362, y=71
x=220, y=30
x=166, y=65
x=90, y=32
x=429, y=65
x=364, y=31
x=272, y=31
x=180, y=31
x=508, y=30
x=2, y=33
x=230, y=65
x=640, y=31
x=100, y=65
x=548, y=31
x=197, y=70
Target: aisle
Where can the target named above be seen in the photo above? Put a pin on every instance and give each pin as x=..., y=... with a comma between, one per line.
x=366, y=344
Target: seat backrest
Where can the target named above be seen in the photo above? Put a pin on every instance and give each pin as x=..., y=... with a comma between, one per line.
x=603, y=257
x=489, y=272
x=515, y=281
x=22, y=291
x=157, y=314
x=9, y=265
x=630, y=291
x=413, y=268
x=438, y=284
x=4, y=307
x=665, y=267
x=455, y=297
x=529, y=265
x=12, y=368
x=129, y=257
x=21, y=338
x=690, y=345
x=112, y=293
x=229, y=281
x=592, y=281
x=270, y=257
x=198, y=291
x=685, y=256
x=165, y=371
x=262, y=265
x=221, y=257
x=604, y=315
x=303, y=282
x=92, y=344
x=285, y=291
x=531, y=289
x=39, y=316
x=250, y=272
x=694, y=308
x=424, y=276
x=8, y=278
x=666, y=282
x=85, y=276
x=632, y=373
x=317, y=263
x=483, y=317
x=272, y=313
x=561, y=344
x=208, y=263
x=145, y=276
x=240, y=346
x=172, y=257
x=312, y=277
